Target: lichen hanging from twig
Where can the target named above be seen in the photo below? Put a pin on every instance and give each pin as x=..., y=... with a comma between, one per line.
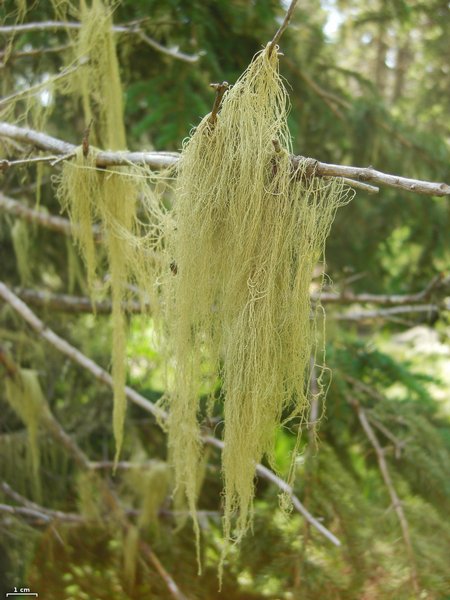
x=250, y=229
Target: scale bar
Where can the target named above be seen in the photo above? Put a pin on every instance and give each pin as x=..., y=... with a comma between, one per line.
x=22, y=594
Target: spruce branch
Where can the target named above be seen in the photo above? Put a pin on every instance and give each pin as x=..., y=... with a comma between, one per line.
x=161, y=416
x=162, y=160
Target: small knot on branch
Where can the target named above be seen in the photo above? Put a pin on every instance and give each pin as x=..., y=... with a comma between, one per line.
x=307, y=166
x=276, y=145
x=85, y=142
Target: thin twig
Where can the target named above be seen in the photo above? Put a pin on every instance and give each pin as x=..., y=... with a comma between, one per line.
x=101, y=375
x=172, y=52
x=170, y=583
x=358, y=185
x=39, y=86
x=34, y=52
x=85, y=140
x=398, y=444
x=6, y=164
x=282, y=27
x=220, y=88
x=161, y=160
x=26, y=512
x=396, y=503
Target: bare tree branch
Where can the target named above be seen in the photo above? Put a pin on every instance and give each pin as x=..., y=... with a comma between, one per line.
x=42, y=85
x=346, y=297
x=78, y=357
x=396, y=503
x=20, y=210
x=33, y=52
x=132, y=29
x=155, y=160
x=47, y=513
x=161, y=160
x=74, y=304
x=283, y=26
x=370, y=174
x=385, y=313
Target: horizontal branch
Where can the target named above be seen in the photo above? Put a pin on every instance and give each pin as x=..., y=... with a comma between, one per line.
x=365, y=174
x=33, y=52
x=347, y=297
x=161, y=160
x=41, y=218
x=31, y=509
x=42, y=141
x=132, y=29
x=384, y=313
x=22, y=211
x=103, y=376
x=73, y=304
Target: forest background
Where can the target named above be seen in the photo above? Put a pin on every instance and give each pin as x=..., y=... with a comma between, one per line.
x=369, y=84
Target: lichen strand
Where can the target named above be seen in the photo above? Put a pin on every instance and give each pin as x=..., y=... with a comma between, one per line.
x=249, y=232
x=121, y=203
x=25, y=396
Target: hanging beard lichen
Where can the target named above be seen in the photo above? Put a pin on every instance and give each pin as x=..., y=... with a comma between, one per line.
x=119, y=201
x=250, y=228
x=25, y=396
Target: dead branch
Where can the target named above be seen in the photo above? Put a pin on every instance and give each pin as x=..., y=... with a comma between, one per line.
x=396, y=503
x=103, y=376
x=370, y=174
x=162, y=160
x=220, y=88
x=282, y=28
x=74, y=304
x=131, y=29
x=155, y=160
x=42, y=85
x=27, y=512
x=431, y=310
x=346, y=297
x=42, y=218
x=34, y=52
x=47, y=513
x=20, y=210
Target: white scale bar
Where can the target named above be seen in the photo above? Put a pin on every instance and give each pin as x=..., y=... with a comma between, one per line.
x=22, y=594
